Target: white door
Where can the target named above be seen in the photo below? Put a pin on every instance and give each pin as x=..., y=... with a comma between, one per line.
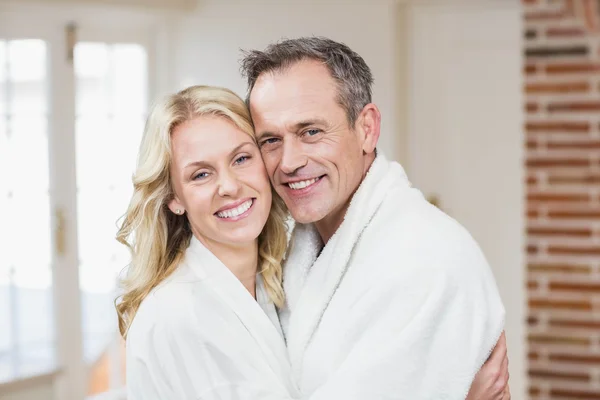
x=465, y=140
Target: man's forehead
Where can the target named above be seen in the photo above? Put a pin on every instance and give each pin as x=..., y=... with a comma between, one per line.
x=302, y=80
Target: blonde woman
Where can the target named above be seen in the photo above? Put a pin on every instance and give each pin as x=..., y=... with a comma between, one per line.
x=207, y=237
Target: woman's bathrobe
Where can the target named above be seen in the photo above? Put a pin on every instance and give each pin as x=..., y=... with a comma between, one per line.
x=400, y=303
x=200, y=335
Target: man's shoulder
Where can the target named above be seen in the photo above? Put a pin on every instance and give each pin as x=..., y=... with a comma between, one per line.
x=408, y=227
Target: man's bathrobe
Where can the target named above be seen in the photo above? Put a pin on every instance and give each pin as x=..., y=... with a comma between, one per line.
x=200, y=335
x=400, y=303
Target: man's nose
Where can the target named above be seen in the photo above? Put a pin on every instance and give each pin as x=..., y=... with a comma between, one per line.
x=293, y=157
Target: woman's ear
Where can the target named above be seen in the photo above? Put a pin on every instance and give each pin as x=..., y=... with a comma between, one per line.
x=176, y=207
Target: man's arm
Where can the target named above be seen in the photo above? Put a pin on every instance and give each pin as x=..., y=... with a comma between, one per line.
x=491, y=382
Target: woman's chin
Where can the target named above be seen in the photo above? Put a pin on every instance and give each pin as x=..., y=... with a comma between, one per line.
x=243, y=235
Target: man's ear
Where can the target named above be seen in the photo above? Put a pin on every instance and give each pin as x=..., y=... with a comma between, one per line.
x=368, y=124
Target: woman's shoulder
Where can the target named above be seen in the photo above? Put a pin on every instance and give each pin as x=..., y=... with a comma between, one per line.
x=167, y=305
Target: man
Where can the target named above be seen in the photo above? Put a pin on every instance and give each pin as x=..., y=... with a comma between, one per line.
x=387, y=297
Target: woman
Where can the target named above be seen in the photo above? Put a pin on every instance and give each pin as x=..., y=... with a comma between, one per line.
x=207, y=237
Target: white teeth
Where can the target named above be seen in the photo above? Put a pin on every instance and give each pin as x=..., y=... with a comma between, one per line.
x=302, y=184
x=235, y=212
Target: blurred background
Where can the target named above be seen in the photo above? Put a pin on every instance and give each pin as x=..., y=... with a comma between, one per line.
x=492, y=106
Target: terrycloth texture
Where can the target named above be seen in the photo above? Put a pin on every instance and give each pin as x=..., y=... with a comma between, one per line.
x=201, y=335
x=400, y=304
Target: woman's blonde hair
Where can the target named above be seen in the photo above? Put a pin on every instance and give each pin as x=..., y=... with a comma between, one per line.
x=156, y=237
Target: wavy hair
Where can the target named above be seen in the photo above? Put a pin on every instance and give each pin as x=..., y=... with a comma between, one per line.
x=157, y=238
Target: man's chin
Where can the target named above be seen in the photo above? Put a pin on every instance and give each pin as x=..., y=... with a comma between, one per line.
x=304, y=216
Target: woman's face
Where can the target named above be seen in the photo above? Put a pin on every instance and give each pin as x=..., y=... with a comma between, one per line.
x=219, y=181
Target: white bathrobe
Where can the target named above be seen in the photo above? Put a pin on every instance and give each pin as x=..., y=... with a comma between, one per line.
x=400, y=303
x=201, y=335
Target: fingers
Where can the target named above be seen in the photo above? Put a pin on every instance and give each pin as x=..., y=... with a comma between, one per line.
x=499, y=352
x=502, y=379
x=506, y=394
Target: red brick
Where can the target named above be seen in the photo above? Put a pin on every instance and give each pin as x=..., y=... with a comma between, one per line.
x=574, y=106
x=590, y=287
x=566, y=31
x=560, y=231
x=574, y=145
x=556, y=162
x=545, y=15
x=579, y=179
x=574, y=250
x=593, y=359
x=550, y=338
x=530, y=69
x=557, y=88
x=550, y=267
x=575, y=67
x=564, y=126
x=574, y=394
x=534, y=391
x=568, y=323
x=559, y=197
x=532, y=107
x=532, y=285
x=581, y=213
x=556, y=374
x=581, y=305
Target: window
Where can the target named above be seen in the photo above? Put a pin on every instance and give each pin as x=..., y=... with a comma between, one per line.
x=109, y=105
x=25, y=265
x=111, y=98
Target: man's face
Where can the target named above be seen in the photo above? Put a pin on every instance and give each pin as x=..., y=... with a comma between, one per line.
x=313, y=157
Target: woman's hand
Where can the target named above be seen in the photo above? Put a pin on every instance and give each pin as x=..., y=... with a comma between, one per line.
x=491, y=382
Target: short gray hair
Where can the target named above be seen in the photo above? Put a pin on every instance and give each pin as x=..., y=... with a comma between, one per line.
x=348, y=69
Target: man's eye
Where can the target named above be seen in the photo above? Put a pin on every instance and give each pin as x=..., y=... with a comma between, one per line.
x=312, y=132
x=270, y=141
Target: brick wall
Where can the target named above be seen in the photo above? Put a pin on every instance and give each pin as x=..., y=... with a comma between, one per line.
x=562, y=86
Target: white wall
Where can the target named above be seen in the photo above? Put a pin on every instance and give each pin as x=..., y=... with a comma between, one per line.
x=466, y=138
x=208, y=42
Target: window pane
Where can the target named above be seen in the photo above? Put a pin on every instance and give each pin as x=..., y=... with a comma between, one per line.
x=111, y=105
x=26, y=312
x=28, y=202
x=27, y=76
x=130, y=80
x=92, y=71
x=3, y=87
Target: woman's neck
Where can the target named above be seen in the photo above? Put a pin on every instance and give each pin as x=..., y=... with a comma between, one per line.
x=241, y=260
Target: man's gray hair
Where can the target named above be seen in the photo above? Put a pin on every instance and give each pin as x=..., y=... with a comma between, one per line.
x=348, y=69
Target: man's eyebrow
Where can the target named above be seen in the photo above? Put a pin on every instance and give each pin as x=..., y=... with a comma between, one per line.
x=303, y=124
x=261, y=135
x=297, y=126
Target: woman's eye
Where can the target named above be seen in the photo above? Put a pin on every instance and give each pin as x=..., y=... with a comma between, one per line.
x=200, y=175
x=241, y=159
